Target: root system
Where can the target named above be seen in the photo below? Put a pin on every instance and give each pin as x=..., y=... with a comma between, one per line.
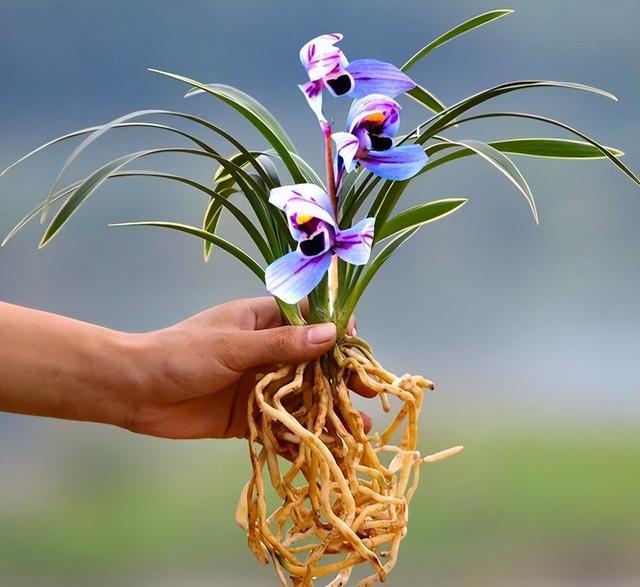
x=341, y=497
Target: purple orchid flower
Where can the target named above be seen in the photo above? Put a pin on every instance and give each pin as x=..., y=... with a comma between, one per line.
x=372, y=123
x=328, y=68
x=313, y=224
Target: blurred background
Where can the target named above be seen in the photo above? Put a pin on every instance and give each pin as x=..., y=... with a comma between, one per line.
x=532, y=334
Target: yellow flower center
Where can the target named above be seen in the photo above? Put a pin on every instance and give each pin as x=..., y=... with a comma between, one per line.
x=303, y=218
x=376, y=118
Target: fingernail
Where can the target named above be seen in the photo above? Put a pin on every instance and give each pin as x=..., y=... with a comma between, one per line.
x=321, y=333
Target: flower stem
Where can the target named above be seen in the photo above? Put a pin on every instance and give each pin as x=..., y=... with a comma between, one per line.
x=331, y=190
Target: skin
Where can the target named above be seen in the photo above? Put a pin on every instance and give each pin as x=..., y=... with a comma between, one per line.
x=191, y=380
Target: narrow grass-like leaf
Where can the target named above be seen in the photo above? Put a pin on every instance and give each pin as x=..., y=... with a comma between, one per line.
x=99, y=176
x=465, y=27
x=209, y=224
x=443, y=119
x=366, y=275
x=90, y=139
x=232, y=249
x=419, y=215
x=550, y=148
x=63, y=193
x=387, y=199
x=98, y=131
x=92, y=129
x=356, y=198
x=426, y=98
x=254, y=112
x=604, y=150
x=222, y=202
x=503, y=164
x=82, y=193
x=60, y=139
x=242, y=160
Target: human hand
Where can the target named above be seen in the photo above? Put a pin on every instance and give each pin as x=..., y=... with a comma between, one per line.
x=198, y=374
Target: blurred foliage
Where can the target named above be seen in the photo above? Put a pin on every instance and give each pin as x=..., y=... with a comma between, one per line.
x=535, y=506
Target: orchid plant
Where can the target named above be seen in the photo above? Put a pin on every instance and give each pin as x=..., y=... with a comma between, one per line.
x=315, y=241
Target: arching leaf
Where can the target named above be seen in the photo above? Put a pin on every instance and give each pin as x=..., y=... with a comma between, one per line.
x=418, y=215
x=465, y=27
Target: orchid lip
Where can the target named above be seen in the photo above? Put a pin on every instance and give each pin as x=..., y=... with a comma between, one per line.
x=340, y=85
x=314, y=245
x=380, y=143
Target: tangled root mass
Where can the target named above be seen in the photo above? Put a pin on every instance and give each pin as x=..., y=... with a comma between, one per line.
x=342, y=497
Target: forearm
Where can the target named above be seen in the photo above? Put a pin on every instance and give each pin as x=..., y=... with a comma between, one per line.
x=55, y=366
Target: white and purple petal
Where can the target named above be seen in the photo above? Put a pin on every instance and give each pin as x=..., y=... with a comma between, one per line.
x=313, y=93
x=398, y=163
x=320, y=57
x=377, y=77
x=303, y=199
x=294, y=275
x=375, y=113
x=353, y=245
x=347, y=146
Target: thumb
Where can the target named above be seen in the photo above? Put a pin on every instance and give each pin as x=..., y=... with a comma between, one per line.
x=287, y=344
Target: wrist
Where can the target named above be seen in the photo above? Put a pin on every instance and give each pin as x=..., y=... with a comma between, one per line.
x=149, y=374
x=129, y=379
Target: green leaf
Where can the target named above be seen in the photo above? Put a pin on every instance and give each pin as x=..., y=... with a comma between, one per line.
x=98, y=131
x=100, y=176
x=367, y=274
x=87, y=141
x=212, y=238
x=426, y=98
x=92, y=129
x=33, y=213
x=386, y=200
x=71, y=135
x=220, y=200
x=254, y=112
x=604, y=150
x=443, y=119
x=225, y=186
x=210, y=223
x=356, y=197
x=465, y=27
x=82, y=193
x=419, y=215
x=552, y=148
x=503, y=164
x=270, y=172
x=532, y=147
